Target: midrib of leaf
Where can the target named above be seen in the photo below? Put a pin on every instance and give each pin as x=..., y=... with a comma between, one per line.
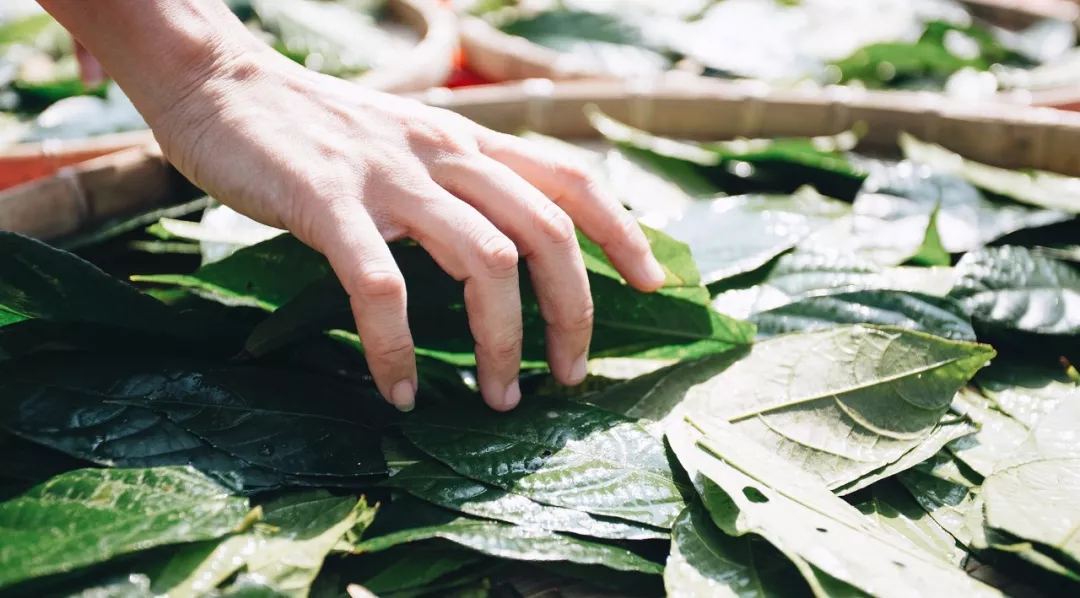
x=550, y=447
x=197, y=283
x=882, y=380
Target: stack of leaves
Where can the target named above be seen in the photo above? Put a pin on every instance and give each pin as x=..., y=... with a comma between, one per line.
x=805, y=409
x=889, y=44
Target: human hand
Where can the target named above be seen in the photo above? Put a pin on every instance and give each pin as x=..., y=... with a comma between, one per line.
x=347, y=169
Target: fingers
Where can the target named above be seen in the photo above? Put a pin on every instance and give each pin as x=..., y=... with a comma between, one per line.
x=545, y=236
x=599, y=216
x=367, y=270
x=470, y=248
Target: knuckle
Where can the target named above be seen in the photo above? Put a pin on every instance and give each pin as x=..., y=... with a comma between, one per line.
x=395, y=349
x=426, y=136
x=498, y=255
x=505, y=347
x=554, y=224
x=579, y=319
x=379, y=286
x=572, y=176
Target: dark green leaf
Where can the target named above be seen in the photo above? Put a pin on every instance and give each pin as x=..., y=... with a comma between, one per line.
x=556, y=452
x=890, y=505
x=266, y=275
x=409, y=567
x=1010, y=290
x=1036, y=188
x=945, y=491
x=913, y=311
x=750, y=490
x=438, y=484
x=931, y=252
x=89, y=516
x=705, y=561
x=251, y=428
x=406, y=521
x=846, y=401
x=115, y=228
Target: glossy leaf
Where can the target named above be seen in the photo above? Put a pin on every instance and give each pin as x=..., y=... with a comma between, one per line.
x=913, y=311
x=1035, y=494
x=1010, y=289
x=250, y=428
x=1026, y=391
x=800, y=275
x=1037, y=188
x=266, y=275
x=844, y=402
x=890, y=505
x=285, y=551
x=946, y=492
x=749, y=490
x=408, y=567
x=438, y=484
x=896, y=205
x=998, y=436
x=89, y=516
x=408, y=521
x=556, y=452
x=705, y=561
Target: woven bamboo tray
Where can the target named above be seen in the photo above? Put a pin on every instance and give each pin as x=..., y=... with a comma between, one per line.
x=497, y=56
x=695, y=108
x=90, y=192
x=428, y=64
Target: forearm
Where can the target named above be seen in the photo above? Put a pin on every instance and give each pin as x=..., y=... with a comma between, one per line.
x=157, y=50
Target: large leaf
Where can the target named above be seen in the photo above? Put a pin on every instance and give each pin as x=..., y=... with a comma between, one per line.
x=1037, y=188
x=749, y=490
x=676, y=321
x=841, y=403
x=406, y=521
x=285, y=551
x=89, y=516
x=266, y=275
x=1035, y=495
x=998, y=436
x=914, y=311
x=890, y=505
x=251, y=428
x=40, y=282
x=800, y=275
x=705, y=561
x=895, y=207
x=945, y=491
x=438, y=484
x=556, y=452
x=1013, y=290
x=408, y=567
x=1025, y=391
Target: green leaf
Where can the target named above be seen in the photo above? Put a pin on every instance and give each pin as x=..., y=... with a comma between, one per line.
x=1036, y=188
x=932, y=252
x=408, y=567
x=998, y=436
x=1035, y=495
x=890, y=505
x=750, y=490
x=251, y=428
x=557, y=452
x=914, y=311
x=40, y=282
x=705, y=561
x=848, y=400
x=119, y=586
x=265, y=276
x=592, y=41
x=902, y=206
x=734, y=235
x=89, y=516
x=127, y=223
x=438, y=484
x=407, y=521
x=946, y=492
x=285, y=551
x=800, y=275
x=1024, y=391
x=1012, y=290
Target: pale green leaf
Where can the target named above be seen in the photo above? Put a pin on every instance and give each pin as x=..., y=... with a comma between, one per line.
x=890, y=505
x=932, y=252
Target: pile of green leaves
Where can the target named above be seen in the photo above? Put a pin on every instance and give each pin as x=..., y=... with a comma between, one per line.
x=806, y=408
x=881, y=44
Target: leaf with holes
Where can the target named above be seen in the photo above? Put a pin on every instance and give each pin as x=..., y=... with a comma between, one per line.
x=843, y=402
x=556, y=452
x=89, y=516
x=749, y=490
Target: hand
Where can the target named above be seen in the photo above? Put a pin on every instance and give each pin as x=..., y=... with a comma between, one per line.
x=346, y=170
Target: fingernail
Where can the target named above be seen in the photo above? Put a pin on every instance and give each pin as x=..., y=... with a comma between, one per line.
x=356, y=591
x=513, y=395
x=403, y=396
x=579, y=371
x=652, y=272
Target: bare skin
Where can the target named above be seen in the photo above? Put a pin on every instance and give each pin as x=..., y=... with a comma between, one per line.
x=347, y=169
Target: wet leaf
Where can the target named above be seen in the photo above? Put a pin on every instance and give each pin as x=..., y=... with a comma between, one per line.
x=89, y=516
x=556, y=452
